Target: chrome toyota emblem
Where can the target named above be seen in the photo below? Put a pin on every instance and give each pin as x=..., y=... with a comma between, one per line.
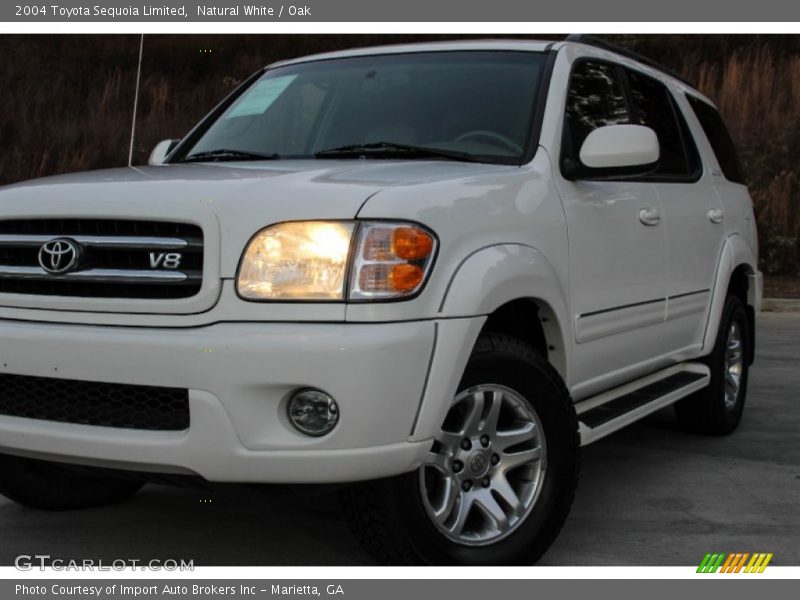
x=59, y=256
x=478, y=463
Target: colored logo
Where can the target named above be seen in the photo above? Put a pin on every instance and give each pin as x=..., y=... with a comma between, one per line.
x=735, y=562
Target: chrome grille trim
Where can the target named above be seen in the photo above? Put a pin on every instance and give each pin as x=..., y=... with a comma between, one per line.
x=106, y=275
x=153, y=243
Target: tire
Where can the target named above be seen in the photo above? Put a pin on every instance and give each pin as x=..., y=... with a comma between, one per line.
x=716, y=409
x=394, y=518
x=52, y=486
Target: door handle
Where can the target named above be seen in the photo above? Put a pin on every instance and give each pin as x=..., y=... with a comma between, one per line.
x=649, y=216
x=715, y=215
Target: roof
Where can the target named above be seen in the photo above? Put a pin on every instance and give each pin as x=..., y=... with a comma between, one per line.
x=448, y=46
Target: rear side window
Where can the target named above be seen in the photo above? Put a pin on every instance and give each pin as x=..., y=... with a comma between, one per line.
x=595, y=98
x=654, y=106
x=719, y=138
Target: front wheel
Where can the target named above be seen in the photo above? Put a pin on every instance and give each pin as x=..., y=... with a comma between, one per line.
x=499, y=480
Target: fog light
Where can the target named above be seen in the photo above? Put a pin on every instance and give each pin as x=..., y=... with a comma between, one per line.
x=313, y=412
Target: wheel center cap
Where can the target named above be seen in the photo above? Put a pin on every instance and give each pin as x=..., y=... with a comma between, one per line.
x=478, y=464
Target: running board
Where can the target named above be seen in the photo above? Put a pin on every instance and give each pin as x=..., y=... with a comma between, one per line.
x=605, y=413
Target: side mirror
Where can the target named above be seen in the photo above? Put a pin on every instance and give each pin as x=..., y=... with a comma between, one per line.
x=161, y=151
x=617, y=151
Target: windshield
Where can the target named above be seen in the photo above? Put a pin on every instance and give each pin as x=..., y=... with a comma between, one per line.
x=472, y=105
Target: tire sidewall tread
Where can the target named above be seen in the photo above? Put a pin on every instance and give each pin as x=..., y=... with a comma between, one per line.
x=389, y=518
x=704, y=412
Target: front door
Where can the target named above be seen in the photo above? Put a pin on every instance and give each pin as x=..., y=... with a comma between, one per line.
x=618, y=264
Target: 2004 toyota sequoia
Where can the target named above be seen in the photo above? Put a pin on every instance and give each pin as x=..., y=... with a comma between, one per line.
x=436, y=270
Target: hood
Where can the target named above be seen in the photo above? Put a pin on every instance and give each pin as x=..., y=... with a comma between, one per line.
x=236, y=198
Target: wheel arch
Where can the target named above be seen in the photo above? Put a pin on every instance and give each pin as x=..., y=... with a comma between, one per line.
x=516, y=288
x=737, y=274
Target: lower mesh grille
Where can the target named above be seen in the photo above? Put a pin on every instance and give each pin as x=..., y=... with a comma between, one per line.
x=92, y=403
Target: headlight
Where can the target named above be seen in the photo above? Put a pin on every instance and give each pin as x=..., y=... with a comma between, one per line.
x=309, y=260
x=296, y=261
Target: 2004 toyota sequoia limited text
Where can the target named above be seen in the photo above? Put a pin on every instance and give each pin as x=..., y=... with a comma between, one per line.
x=431, y=272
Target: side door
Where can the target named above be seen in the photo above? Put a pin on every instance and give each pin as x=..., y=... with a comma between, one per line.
x=691, y=214
x=616, y=244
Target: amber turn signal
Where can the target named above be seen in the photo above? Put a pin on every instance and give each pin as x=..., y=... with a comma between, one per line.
x=411, y=243
x=392, y=260
x=405, y=278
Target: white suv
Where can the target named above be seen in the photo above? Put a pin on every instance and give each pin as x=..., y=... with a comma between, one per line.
x=436, y=270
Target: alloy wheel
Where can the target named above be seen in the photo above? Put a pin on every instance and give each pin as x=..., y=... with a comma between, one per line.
x=734, y=364
x=486, y=468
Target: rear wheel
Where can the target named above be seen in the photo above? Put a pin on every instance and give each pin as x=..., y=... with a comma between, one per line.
x=52, y=486
x=499, y=480
x=717, y=409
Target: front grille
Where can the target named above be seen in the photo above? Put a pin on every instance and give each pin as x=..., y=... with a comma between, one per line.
x=90, y=403
x=117, y=258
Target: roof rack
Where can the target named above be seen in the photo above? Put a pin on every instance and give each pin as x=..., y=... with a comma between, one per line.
x=591, y=40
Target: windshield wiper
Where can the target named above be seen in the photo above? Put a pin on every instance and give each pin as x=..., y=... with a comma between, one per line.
x=378, y=149
x=223, y=154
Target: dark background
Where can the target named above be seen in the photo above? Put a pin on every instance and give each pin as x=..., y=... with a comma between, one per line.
x=67, y=102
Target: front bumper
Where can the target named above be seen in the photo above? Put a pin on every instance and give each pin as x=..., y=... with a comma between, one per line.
x=239, y=377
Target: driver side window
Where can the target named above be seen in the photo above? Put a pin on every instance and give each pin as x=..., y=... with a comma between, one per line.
x=595, y=98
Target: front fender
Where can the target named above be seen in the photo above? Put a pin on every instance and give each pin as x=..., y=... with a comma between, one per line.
x=493, y=276
x=501, y=273
x=483, y=282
